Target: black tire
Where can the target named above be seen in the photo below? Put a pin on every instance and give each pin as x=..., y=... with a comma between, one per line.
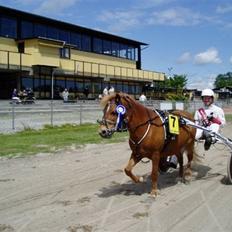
x=229, y=169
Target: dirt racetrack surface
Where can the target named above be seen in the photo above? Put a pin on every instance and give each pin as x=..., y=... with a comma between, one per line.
x=85, y=189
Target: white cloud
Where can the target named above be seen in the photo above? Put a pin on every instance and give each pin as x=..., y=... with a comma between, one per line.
x=121, y=20
x=222, y=9
x=202, y=81
x=184, y=58
x=210, y=56
x=231, y=59
x=178, y=16
x=55, y=6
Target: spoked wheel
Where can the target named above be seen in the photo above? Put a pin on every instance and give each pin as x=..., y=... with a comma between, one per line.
x=229, y=169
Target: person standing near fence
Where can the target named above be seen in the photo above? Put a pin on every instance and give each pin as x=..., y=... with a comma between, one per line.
x=65, y=95
x=111, y=90
x=105, y=91
x=142, y=98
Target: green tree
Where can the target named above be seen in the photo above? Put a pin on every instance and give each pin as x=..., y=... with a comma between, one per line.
x=223, y=80
x=177, y=81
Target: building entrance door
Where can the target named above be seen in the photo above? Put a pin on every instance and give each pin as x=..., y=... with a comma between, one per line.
x=8, y=82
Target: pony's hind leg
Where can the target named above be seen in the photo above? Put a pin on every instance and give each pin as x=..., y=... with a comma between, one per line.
x=181, y=168
x=128, y=169
x=188, y=171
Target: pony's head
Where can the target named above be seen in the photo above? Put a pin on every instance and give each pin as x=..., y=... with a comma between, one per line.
x=114, y=114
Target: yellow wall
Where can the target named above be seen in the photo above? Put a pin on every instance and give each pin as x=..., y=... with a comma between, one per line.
x=7, y=44
x=43, y=54
x=102, y=59
x=46, y=52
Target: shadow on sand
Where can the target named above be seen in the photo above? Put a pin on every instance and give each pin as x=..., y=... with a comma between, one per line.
x=165, y=180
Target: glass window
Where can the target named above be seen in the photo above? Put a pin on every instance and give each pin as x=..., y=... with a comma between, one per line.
x=42, y=84
x=27, y=83
x=8, y=27
x=47, y=84
x=64, y=36
x=70, y=84
x=60, y=83
x=96, y=87
x=26, y=29
x=75, y=39
x=52, y=33
x=131, y=88
x=138, y=89
x=65, y=52
x=123, y=50
x=86, y=43
x=107, y=47
x=125, y=87
x=80, y=85
x=36, y=84
x=115, y=49
x=97, y=45
x=131, y=53
x=136, y=53
x=40, y=30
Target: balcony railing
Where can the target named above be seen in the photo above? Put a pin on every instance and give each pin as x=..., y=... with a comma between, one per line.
x=22, y=61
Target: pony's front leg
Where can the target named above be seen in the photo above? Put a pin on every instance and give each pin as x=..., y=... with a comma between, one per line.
x=154, y=173
x=128, y=169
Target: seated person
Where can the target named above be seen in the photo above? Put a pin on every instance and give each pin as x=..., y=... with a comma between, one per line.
x=15, y=96
x=209, y=116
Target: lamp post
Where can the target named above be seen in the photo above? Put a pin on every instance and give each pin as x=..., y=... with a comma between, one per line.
x=52, y=94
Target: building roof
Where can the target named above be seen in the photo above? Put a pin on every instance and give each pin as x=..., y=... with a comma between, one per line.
x=68, y=26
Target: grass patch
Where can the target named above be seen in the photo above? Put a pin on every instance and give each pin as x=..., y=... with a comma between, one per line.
x=50, y=139
x=228, y=117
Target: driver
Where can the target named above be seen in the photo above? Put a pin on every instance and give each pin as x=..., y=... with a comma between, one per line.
x=209, y=116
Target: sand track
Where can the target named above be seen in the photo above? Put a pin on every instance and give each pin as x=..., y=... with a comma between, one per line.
x=86, y=190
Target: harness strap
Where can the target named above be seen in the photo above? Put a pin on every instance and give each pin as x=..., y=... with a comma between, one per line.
x=150, y=122
x=204, y=118
x=137, y=143
x=163, y=123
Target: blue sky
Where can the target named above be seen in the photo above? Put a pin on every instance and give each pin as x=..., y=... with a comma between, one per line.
x=192, y=37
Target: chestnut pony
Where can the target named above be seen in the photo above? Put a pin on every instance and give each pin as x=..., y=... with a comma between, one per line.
x=147, y=135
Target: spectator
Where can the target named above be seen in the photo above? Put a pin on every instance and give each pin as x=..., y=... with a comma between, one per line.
x=15, y=97
x=142, y=98
x=30, y=94
x=86, y=92
x=65, y=95
x=111, y=90
x=105, y=91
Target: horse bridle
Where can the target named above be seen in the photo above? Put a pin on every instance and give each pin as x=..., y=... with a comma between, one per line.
x=107, y=122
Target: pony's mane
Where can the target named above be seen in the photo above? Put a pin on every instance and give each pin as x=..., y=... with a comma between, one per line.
x=122, y=95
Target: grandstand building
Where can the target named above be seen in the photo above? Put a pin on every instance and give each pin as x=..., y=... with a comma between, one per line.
x=48, y=55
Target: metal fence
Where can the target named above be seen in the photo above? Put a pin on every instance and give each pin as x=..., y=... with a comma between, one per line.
x=16, y=117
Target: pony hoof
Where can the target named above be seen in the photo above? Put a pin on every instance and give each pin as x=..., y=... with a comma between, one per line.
x=140, y=179
x=154, y=193
x=187, y=179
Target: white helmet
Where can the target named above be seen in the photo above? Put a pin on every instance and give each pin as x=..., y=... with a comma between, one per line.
x=207, y=92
